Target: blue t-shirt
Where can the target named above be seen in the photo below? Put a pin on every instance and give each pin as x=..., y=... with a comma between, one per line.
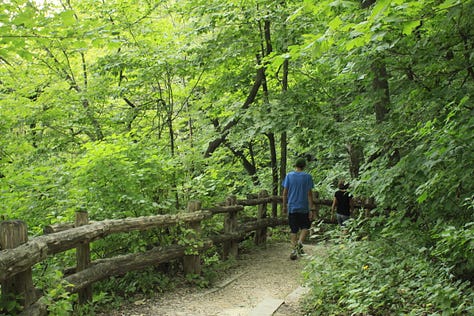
x=298, y=185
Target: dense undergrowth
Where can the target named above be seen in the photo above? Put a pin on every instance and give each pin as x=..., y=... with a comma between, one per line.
x=390, y=266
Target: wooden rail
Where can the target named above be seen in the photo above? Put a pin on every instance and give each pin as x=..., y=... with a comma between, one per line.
x=19, y=254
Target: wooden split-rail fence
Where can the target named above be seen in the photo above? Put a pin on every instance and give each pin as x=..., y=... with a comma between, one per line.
x=18, y=254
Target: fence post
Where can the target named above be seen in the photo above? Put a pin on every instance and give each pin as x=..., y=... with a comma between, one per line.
x=83, y=257
x=261, y=234
x=316, y=204
x=192, y=262
x=20, y=286
x=274, y=207
x=231, y=247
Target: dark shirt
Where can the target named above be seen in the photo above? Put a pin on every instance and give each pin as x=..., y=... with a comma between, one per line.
x=343, y=202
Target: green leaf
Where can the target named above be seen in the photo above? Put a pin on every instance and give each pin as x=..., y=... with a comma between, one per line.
x=24, y=19
x=79, y=45
x=67, y=18
x=448, y=4
x=356, y=42
x=335, y=23
x=422, y=197
x=408, y=27
x=380, y=7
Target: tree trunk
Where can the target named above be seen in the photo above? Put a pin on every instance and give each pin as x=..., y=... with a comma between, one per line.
x=284, y=136
x=380, y=86
x=356, y=156
x=249, y=166
x=274, y=166
x=366, y=3
x=284, y=89
x=267, y=50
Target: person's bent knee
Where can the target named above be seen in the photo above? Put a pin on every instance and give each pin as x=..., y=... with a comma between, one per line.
x=341, y=219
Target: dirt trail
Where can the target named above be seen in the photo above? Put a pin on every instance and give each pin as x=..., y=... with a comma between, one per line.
x=260, y=274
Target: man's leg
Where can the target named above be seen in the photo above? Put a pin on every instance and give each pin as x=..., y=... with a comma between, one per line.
x=293, y=239
x=301, y=239
x=303, y=234
x=305, y=225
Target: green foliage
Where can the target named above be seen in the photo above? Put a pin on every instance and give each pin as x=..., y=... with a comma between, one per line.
x=132, y=242
x=55, y=296
x=430, y=178
x=121, y=179
x=10, y=305
x=37, y=193
x=454, y=247
x=115, y=291
x=198, y=280
x=190, y=239
x=102, y=301
x=389, y=273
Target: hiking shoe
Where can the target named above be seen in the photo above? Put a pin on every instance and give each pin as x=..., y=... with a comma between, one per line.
x=294, y=254
x=299, y=249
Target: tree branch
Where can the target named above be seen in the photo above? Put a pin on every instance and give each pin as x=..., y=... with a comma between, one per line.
x=213, y=145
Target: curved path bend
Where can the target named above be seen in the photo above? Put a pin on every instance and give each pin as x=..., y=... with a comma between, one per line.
x=261, y=278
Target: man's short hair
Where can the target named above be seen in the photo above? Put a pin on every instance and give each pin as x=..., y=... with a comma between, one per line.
x=343, y=185
x=300, y=163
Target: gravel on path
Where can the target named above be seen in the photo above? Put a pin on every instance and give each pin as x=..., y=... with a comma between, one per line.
x=261, y=273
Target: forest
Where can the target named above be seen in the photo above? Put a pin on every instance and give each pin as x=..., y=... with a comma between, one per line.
x=131, y=108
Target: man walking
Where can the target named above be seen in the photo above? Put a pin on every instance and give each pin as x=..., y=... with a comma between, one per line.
x=298, y=203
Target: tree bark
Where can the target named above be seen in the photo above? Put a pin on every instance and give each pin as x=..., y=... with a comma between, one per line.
x=380, y=86
x=249, y=166
x=274, y=166
x=284, y=89
x=366, y=3
x=284, y=135
x=356, y=156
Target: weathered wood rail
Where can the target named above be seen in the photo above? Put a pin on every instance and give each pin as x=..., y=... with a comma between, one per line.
x=18, y=254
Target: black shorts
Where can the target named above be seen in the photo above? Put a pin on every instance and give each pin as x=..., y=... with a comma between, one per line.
x=298, y=221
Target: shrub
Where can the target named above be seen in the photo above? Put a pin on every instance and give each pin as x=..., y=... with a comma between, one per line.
x=387, y=274
x=454, y=247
